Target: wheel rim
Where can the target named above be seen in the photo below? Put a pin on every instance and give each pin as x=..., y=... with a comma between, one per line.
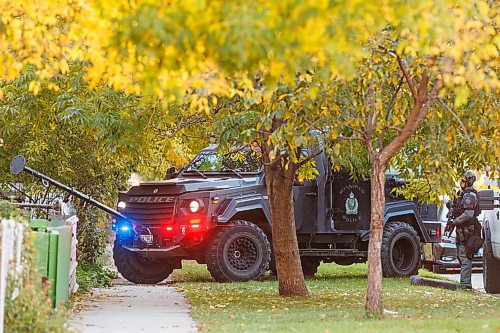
x=242, y=253
x=403, y=254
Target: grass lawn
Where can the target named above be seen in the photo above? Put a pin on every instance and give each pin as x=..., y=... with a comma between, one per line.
x=336, y=305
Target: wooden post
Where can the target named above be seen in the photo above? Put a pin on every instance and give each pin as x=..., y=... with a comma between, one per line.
x=73, y=286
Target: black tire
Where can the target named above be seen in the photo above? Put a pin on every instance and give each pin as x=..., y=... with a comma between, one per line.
x=138, y=269
x=491, y=266
x=309, y=266
x=400, y=252
x=239, y=251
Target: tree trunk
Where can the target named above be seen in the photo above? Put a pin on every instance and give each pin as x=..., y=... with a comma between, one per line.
x=373, y=305
x=285, y=247
x=422, y=102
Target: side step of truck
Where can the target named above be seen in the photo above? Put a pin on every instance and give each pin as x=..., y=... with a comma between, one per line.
x=332, y=253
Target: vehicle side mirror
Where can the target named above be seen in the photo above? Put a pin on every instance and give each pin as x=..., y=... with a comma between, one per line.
x=171, y=173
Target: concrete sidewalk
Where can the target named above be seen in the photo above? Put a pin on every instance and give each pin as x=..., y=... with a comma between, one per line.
x=477, y=281
x=135, y=308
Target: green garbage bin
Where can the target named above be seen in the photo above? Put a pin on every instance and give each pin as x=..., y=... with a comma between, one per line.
x=53, y=250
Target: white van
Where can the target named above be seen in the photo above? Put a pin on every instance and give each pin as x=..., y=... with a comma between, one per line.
x=491, y=248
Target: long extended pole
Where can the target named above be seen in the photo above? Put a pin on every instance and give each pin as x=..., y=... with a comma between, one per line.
x=18, y=165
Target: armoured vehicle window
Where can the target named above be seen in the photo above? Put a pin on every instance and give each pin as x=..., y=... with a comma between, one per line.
x=241, y=161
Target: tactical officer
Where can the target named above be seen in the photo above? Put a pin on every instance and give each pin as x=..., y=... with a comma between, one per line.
x=465, y=222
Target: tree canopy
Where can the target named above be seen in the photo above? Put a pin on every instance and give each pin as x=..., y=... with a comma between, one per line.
x=196, y=45
x=92, y=140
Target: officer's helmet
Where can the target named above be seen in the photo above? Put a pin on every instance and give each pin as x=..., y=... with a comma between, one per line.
x=469, y=177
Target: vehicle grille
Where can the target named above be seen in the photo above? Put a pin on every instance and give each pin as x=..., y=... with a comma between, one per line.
x=151, y=213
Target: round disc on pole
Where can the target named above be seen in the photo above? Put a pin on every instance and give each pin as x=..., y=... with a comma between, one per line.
x=17, y=165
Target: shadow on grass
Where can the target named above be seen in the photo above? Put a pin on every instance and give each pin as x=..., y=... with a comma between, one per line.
x=338, y=277
x=193, y=272
x=181, y=277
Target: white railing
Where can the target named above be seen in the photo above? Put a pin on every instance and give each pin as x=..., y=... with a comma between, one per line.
x=11, y=234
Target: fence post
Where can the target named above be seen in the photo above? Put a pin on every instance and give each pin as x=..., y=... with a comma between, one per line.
x=7, y=255
x=72, y=222
x=18, y=237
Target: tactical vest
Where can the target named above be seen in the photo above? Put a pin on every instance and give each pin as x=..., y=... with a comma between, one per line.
x=470, y=201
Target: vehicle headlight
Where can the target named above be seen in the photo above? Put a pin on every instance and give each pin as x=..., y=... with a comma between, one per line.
x=122, y=205
x=194, y=206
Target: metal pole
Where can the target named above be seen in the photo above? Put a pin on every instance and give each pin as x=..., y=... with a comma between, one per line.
x=76, y=193
x=18, y=165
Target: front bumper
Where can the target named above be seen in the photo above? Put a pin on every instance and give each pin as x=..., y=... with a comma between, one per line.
x=445, y=256
x=173, y=238
x=476, y=263
x=176, y=251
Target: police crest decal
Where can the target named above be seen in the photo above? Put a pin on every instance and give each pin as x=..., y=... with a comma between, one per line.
x=351, y=205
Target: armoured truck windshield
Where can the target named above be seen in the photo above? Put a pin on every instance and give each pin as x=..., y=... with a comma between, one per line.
x=243, y=161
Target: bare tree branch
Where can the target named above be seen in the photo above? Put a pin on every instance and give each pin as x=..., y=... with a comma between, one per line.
x=172, y=132
x=410, y=82
x=312, y=125
x=392, y=102
x=276, y=160
x=369, y=127
x=393, y=98
x=355, y=129
x=152, y=115
x=422, y=88
x=417, y=115
x=350, y=138
x=308, y=158
x=368, y=133
x=371, y=151
x=394, y=128
x=457, y=118
x=181, y=132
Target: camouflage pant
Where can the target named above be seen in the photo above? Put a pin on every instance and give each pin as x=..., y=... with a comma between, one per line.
x=466, y=267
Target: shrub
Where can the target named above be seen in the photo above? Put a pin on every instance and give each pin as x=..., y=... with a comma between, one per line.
x=93, y=276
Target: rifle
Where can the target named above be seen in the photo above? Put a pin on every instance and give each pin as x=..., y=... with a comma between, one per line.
x=452, y=214
x=449, y=225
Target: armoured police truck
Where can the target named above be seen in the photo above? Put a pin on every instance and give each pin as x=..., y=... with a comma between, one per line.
x=216, y=211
